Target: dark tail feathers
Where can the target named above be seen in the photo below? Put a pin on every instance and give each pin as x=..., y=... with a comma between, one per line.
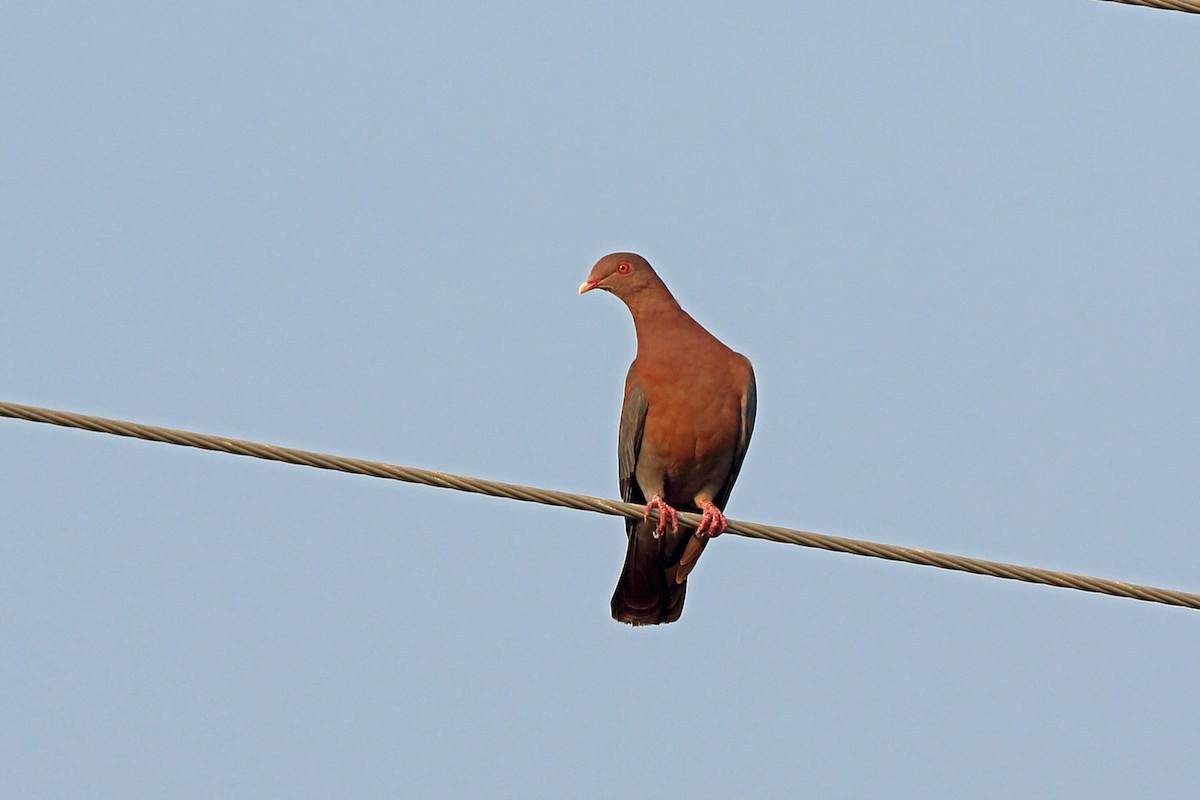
x=647, y=593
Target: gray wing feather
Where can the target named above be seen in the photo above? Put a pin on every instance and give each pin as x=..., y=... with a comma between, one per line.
x=629, y=440
x=749, y=407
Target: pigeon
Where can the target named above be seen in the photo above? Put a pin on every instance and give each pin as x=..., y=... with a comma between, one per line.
x=686, y=423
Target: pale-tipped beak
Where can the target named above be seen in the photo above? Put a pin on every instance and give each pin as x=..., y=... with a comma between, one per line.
x=587, y=286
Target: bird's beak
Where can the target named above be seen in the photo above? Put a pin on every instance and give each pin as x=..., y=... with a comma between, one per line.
x=587, y=286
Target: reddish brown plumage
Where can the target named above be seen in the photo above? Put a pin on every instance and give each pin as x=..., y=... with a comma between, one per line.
x=686, y=422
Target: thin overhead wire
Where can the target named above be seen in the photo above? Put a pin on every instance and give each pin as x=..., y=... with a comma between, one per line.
x=531, y=494
x=1186, y=6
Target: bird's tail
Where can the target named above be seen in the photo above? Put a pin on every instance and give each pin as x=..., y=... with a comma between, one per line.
x=648, y=592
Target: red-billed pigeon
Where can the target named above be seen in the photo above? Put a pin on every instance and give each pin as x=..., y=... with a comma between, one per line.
x=685, y=426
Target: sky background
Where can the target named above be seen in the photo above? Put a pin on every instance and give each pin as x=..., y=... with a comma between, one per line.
x=958, y=241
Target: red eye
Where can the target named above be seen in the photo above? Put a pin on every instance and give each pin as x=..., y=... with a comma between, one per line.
x=623, y=267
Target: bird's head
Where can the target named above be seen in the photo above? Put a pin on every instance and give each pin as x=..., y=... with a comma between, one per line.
x=623, y=274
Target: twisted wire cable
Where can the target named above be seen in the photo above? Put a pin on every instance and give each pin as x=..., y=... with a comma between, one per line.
x=1186, y=6
x=532, y=494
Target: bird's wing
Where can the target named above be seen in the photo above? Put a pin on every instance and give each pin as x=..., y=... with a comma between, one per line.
x=749, y=407
x=629, y=439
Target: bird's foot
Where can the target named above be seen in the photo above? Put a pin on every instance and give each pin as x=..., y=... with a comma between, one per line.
x=713, y=522
x=665, y=512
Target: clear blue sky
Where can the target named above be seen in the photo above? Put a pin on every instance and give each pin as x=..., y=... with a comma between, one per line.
x=958, y=242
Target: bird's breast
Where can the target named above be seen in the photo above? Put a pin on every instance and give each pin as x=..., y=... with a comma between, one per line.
x=691, y=431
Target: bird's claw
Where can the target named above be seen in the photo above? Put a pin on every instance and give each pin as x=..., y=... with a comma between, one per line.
x=713, y=522
x=665, y=512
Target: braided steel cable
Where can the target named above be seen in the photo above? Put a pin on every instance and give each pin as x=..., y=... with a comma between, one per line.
x=531, y=494
x=1186, y=6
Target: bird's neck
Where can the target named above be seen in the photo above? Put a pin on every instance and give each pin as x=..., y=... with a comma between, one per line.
x=656, y=317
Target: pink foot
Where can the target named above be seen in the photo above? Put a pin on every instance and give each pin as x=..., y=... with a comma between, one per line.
x=665, y=512
x=713, y=523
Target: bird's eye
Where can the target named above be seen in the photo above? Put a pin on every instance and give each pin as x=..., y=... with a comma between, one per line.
x=623, y=268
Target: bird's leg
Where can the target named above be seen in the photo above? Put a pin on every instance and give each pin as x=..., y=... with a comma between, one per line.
x=665, y=512
x=713, y=522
